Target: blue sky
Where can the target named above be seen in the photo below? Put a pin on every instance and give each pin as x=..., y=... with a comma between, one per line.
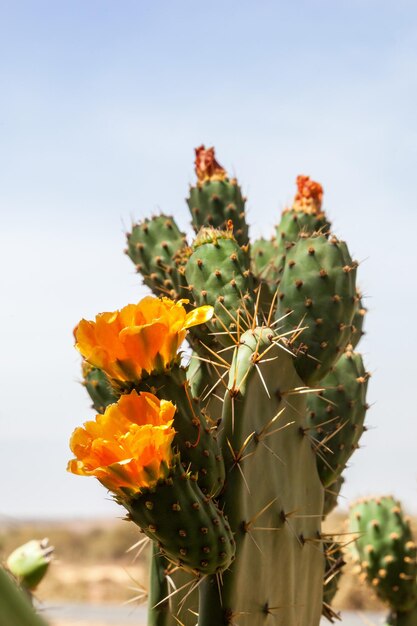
x=102, y=104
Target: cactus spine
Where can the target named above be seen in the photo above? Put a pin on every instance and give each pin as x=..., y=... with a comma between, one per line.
x=245, y=464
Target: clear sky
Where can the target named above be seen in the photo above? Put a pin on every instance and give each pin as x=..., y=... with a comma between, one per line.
x=101, y=105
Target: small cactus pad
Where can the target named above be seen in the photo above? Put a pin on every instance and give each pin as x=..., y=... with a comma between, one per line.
x=152, y=246
x=385, y=550
x=216, y=199
x=217, y=274
x=317, y=293
x=305, y=217
x=336, y=415
x=186, y=525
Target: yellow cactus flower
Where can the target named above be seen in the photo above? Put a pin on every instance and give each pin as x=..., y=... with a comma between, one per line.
x=140, y=338
x=129, y=446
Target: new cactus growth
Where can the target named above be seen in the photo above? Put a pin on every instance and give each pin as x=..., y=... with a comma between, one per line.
x=225, y=475
x=386, y=553
x=30, y=562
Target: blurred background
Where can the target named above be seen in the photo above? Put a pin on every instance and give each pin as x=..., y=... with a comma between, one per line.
x=102, y=105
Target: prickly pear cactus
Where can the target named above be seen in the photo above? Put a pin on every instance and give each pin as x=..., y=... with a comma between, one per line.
x=386, y=554
x=217, y=460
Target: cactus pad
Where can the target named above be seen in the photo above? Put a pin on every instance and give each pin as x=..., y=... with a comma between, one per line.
x=216, y=198
x=385, y=550
x=152, y=246
x=218, y=274
x=186, y=525
x=317, y=293
x=336, y=415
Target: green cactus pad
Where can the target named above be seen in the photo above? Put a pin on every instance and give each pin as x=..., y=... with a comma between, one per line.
x=386, y=551
x=265, y=270
x=263, y=253
x=196, y=438
x=218, y=274
x=317, y=293
x=336, y=415
x=98, y=387
x=216, y=199
x=152, y=246
x=187, y=526
x=305, y=217
x=272, y=497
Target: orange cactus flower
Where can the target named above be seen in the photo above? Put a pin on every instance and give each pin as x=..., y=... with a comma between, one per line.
x=129, y=446
x=140, y=338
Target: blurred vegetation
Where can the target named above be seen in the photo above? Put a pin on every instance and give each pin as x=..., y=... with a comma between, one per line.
x=92, y=559
x=82, y=542
x=92, y=562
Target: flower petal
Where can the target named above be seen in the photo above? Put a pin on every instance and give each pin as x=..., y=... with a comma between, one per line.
x=199, y=316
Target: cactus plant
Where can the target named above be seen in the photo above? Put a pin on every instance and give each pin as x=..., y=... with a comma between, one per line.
x=29, y=563
x=387, y=555
x=223, y=472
